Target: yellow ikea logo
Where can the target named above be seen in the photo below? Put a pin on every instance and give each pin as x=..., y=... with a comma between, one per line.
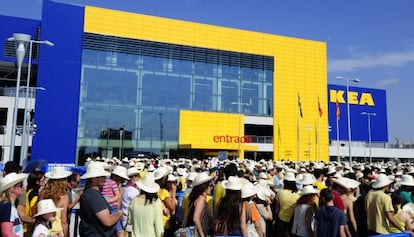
x=354, y=97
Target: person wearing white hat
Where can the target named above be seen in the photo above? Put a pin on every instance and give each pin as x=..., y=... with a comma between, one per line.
x=130, y=192
x=55, y=189
x=119, y=175
x=254, y=228
x=263, y=204
x=11, y=187
x=304, y=210
x=230, y=217
x=167, y=195
x=406, y=188
x=196, y=211
x=46, y=212
x=145, y=211
x=95, y=211
x=379, y=207
x=287, y=198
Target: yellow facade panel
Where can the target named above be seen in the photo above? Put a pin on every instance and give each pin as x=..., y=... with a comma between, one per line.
x=300, y=69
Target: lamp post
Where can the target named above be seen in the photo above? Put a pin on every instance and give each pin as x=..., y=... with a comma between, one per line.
x=309, y=128
x=348, y=113
x=121, y=141
x=21, y=41
x=161, y=136
x=369, y=132
x=23, y=148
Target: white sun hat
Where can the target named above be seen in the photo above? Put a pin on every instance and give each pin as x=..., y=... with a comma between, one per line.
x=264, y=193
x=151, y=168
x=307, y=179
x=94, y=170
x=172, y=178
x=45, y=206
x=191, y=176
x=58, y=172
x=263, y=175
x=132, y=171
x=121, y=171
x=248, y=190
x=232, y=183
x=290, y=176
x=201, y=178
x=381, y=181
x=161, y=172
x=10, y=180
x=308, y=190
x=406, y=180
x=148, y=184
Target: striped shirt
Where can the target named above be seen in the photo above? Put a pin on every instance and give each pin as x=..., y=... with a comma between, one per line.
x=109, y=189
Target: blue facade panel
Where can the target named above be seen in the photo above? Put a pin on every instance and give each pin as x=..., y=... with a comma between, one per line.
x=59, y=72
x=364, y=100
x=10, y=25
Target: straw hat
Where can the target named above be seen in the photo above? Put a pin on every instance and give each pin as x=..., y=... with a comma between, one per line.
x=308, y=190
x=172, y=178
x=232, y=183
x=264, y=194
x=381, y=181
x=248, y=190
x=191, y=176
x=263, y=175
x=132, y=171
x=140, y=166
x=406, y=180
x=150, y=168
x=148, y=184
x=290, y=176
x=202, y=178
x=161, y=173
x=346, y=182
x=10, y=180
x=45, y=206
x=94, y=170
x=409, y=208
x=121, y=171
x=307, y=179
x=58, y=172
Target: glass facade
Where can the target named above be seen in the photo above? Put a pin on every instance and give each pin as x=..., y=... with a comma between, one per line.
x=132, y=92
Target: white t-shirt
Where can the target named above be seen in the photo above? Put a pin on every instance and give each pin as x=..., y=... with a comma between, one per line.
x=40, y=229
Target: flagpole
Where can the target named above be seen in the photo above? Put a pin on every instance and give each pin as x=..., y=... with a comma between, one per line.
x=318, y=132
x=298, y=137
x=337, y=138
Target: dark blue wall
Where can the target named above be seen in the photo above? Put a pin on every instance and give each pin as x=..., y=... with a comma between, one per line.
x=10, y=25
x=359, y=123
x=59, y=72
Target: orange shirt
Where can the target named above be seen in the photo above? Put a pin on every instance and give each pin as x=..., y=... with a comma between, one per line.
x=255, y=213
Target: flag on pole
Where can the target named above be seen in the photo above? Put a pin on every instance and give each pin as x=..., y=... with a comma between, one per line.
x=338, y=111
x=319, y=108
x=300, y=107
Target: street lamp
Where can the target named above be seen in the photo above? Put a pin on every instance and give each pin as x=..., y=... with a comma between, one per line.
x=369, y=132
x=309, y=128
x=356, y=80
x=121, y=141
x=21, y=41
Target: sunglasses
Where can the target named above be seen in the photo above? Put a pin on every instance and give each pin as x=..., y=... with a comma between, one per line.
x=19, y=185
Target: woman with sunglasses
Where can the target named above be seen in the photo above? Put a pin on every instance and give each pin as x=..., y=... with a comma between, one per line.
x=11, y=187
x=198, y=214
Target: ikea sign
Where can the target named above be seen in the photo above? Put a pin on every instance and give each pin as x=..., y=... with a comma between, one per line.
x=361, y=101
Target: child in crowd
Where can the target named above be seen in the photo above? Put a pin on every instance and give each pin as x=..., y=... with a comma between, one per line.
x=46, y=213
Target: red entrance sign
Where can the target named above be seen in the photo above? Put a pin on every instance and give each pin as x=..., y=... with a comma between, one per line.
x=232, y=139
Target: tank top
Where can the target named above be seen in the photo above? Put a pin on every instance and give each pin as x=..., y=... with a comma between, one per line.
x=299, y=225
x=393, y=229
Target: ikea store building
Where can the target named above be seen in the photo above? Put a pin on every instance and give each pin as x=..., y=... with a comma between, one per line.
x=124, y=84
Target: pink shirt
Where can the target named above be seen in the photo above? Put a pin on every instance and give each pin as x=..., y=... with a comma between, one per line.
x=109, y=189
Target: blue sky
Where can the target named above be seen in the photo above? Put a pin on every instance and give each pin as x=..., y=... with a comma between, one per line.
x=372, y=40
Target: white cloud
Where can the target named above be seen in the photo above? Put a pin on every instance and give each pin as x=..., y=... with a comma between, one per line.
x=395, y=59
x=388, y=82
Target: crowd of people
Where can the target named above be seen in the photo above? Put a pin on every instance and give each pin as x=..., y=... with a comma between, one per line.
x=211, y=197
